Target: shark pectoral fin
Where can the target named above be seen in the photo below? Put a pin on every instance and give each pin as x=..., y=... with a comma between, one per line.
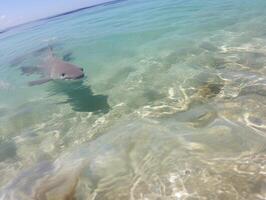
x=68, y=56
x=28, y=70
x=39, y=82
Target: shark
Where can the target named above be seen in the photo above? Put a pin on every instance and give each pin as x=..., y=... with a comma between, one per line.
x=53, y=68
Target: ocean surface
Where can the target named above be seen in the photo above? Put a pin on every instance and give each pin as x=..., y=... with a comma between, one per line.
x=173, y=105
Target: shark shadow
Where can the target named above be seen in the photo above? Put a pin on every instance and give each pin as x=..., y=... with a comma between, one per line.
x=80, y=97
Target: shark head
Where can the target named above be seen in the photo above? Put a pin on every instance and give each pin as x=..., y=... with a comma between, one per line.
x=67, y=71
x=71, y=73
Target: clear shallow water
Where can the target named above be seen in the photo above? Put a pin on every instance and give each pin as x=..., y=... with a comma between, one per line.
x=172, y=107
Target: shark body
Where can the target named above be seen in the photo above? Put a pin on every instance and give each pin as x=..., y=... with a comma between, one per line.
x=53, y=68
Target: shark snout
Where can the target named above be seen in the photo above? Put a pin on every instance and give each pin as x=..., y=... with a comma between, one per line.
x=80, y=76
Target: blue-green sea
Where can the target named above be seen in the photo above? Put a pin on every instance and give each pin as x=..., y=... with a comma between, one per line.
x=172, y=106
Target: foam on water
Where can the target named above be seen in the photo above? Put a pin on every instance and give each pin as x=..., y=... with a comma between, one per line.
x=172, y=106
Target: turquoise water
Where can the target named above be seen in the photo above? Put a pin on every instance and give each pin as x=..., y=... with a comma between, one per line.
x=172, y=106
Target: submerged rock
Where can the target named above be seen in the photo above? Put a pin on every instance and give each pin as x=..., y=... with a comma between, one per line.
x=44, y=181
x=259, y=89
x=210, y=90
x=204, y=85
x=197, y=116
x=8, y=150
x=254, y=60
x=145, y=159
x=208, y=46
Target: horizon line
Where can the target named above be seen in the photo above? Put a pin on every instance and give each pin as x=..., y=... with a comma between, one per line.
x=61, y=14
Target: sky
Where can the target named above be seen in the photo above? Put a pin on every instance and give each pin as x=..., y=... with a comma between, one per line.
x=14, y=12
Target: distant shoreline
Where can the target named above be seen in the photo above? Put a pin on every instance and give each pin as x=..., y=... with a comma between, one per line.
x=62, y=14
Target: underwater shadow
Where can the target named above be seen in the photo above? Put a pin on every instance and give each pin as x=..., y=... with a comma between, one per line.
x=80, y=97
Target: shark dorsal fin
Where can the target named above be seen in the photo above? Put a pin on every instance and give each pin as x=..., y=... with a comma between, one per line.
x=50, y=51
